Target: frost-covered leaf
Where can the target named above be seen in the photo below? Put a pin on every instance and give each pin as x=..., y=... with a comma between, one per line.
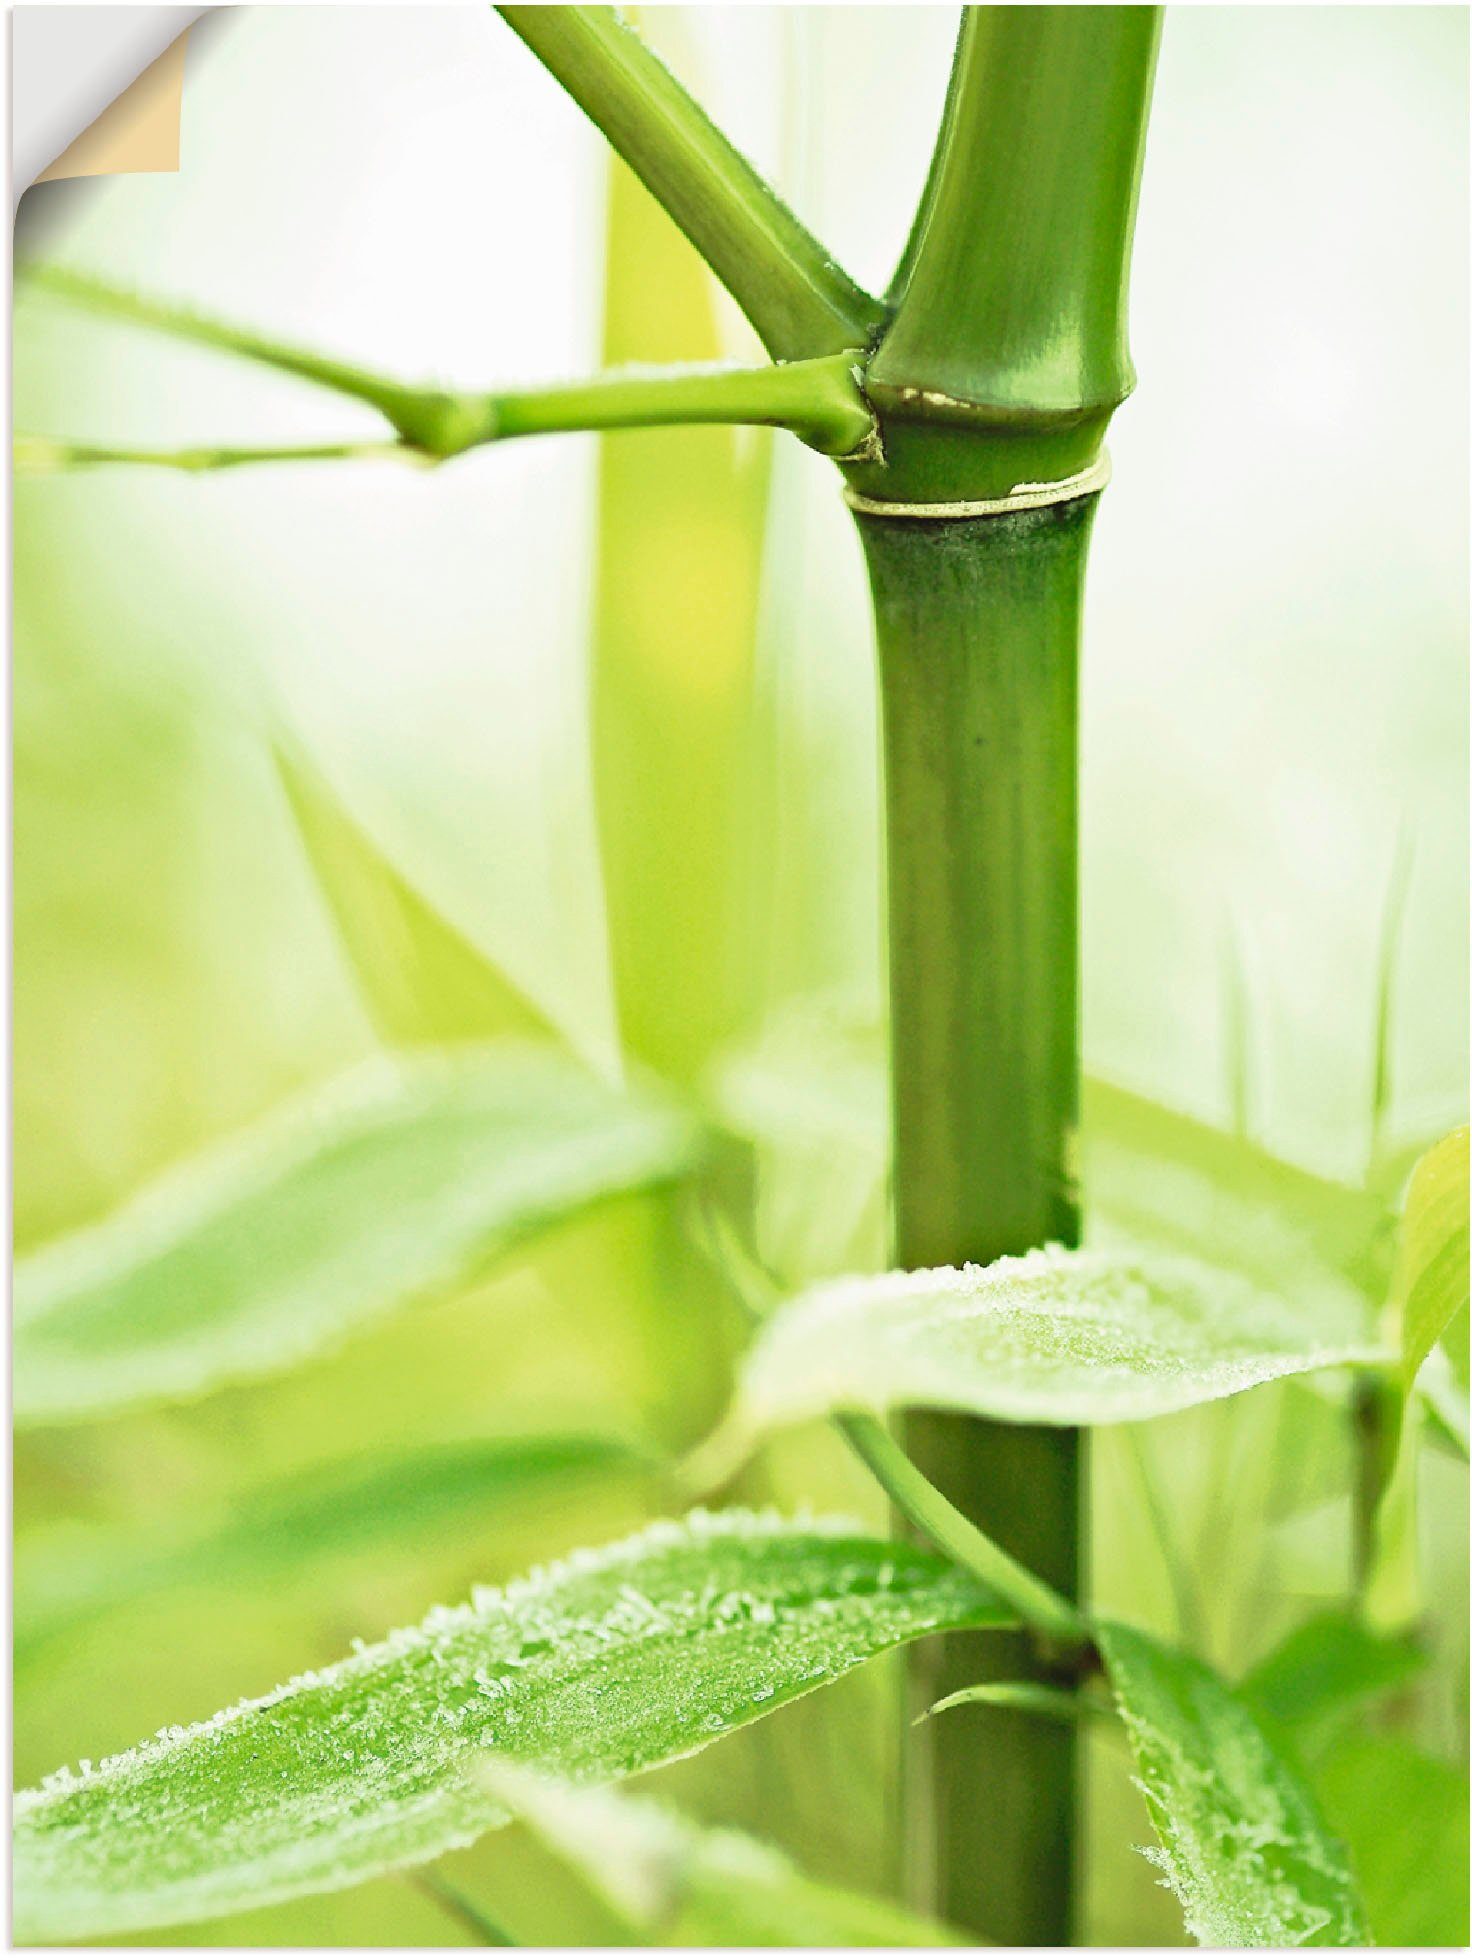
x=1242, y=1843
x=1328, y=1667
x=674, y=1883
x=1404, y=1816
x=612, y=1662
x=403, y=1183
x=1053, y=1337
x=442, y=1494
x=421, y=978
x=1431, y=1281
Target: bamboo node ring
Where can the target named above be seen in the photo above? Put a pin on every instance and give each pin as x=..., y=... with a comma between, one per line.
x=1022, y=496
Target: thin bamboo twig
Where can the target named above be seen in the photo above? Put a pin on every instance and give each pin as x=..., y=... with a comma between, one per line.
x=50, y=456
x=821, y=401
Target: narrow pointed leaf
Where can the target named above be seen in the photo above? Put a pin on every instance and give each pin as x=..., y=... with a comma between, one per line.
x=441, y=1495
x=420, y=977
x=1053, y=1337
x=674, y=1883
x=1028, y=1697
x=1428, y=1298
x=609, y=1663
x=402, y=1184
x=1242, y=1843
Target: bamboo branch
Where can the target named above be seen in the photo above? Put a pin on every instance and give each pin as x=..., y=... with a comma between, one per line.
x=820, y=401
x=427, y=418
x=788, y=286
x=1037, y=1605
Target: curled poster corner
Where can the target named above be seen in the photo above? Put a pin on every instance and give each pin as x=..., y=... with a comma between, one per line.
x=137, y=132
x=95, y=90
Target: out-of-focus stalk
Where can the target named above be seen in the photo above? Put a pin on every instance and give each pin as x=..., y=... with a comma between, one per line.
x=680, y=527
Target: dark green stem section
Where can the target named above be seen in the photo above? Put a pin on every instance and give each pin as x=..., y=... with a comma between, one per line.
x=978, y=630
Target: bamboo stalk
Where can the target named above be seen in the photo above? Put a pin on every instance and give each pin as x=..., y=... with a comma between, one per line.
x=994, y=385
x=978, y=625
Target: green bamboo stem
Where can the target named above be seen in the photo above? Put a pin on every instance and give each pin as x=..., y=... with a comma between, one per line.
x=978, y=623
x=819, y=400
x=800, y=302
x=1011, y=295
x=1005, y=358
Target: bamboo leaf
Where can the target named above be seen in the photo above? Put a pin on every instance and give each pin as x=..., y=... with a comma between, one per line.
x=1428, y=1295
x=1327, y=1667
x=421, y=979
x=1053, y=1337
x=374, y=1508
x=1028, y=1697
x=1431, y=1270
x=611, y=1662
x=674, y=1883
x=1242, y=1843
x=403, y=1183
x=1404, y=1816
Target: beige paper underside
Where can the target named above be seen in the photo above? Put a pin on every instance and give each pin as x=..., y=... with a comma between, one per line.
x=138, y=132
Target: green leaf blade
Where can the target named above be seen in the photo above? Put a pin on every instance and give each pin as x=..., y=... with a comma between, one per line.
x=401, y=1184
x=609, y=1663
x=1052, y=1337
x=1431, y=1284
x=1242, y=1843
x=1329, y=1666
